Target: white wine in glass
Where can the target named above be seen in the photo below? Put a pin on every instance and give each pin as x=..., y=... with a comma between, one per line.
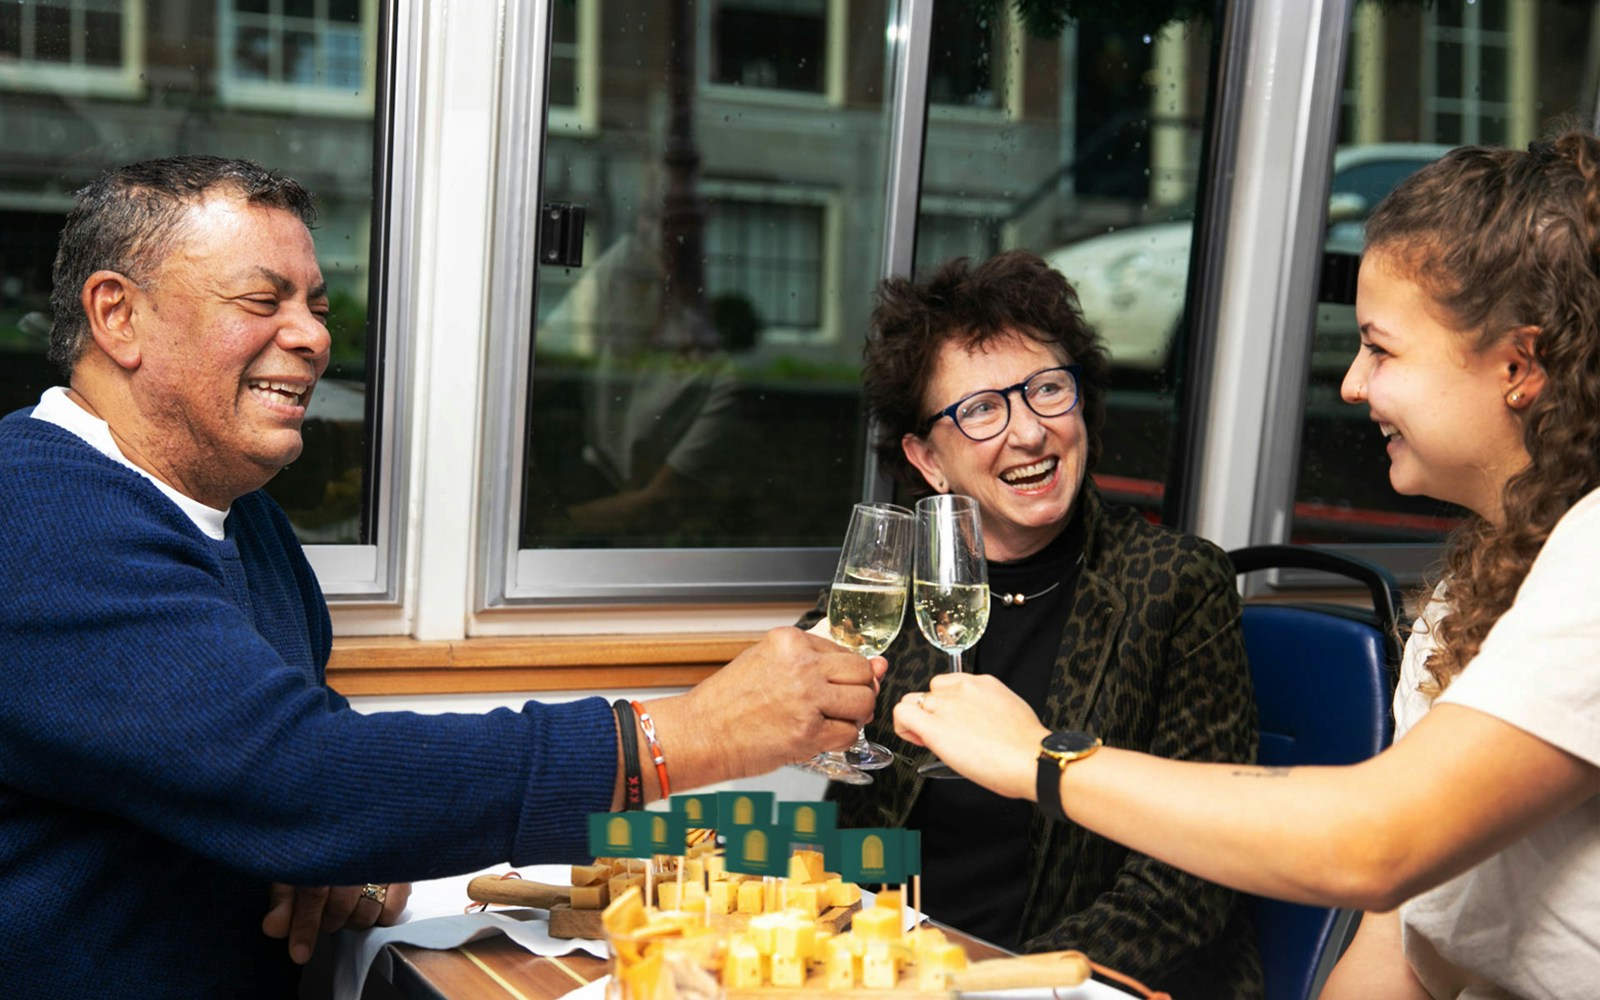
x=950, y=588
x=865, y=610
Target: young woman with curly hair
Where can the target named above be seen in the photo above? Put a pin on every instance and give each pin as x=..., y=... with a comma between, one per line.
x=1474, y=841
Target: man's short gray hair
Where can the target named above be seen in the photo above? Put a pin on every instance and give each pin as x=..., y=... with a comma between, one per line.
x=129, y=219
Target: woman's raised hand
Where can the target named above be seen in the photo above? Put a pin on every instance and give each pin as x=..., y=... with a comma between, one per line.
x=978, y=726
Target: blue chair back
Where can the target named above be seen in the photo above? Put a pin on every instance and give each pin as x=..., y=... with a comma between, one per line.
x=1323, y=678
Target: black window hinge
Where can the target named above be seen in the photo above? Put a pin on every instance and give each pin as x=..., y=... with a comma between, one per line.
x=561, y=234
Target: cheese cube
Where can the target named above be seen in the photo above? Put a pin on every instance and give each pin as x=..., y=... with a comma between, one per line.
x=787, y=970
x=744, y=967
x=922, y=938
x=876, y=923
x=590, y=874
x=805, y=898
x=762, y=931
x=620, y=884
x=724, y=896
x=716, y=867
x=750, y=896
x=841, y=964
x=591, y=897
x=937, y=962
x=814, y=867
x=881, y=965
x=840, y=893
x=888, y=899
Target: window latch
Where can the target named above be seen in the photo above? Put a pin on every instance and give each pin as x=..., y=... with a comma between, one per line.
x=561, y=234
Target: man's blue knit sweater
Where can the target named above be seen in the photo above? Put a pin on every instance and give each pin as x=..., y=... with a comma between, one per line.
x=168, y=747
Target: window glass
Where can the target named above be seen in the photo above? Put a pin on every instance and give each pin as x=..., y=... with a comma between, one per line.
x=769, y=44
x=1094, y=166
x=1422, y=76
x=152, y=80
x=694, y=382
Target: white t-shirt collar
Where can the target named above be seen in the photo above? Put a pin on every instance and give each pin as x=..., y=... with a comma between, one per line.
x=56, y=407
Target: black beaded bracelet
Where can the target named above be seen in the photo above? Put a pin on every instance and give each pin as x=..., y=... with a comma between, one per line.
x=628, y=733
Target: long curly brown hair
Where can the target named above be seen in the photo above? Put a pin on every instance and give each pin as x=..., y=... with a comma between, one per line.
x=1502, y=239
x=1015, y=292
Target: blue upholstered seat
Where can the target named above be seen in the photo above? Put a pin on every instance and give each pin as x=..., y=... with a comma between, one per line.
x=1324, y=677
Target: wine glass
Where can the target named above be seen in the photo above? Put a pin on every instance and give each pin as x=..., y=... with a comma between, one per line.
x=950, y=587
x=868, y=600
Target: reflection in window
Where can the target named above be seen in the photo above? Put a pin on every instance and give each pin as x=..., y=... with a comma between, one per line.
x=967, y=63
x=771, y=44
x=277, y=51
x=1491, y=71
x=767, y=258
x=700, y=371
x=1094, y=169
x=71, y=46
x=57, y=44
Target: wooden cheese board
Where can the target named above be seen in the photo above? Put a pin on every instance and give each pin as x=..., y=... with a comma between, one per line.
x=567, y=923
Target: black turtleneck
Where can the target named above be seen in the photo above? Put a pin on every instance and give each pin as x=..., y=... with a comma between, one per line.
x=974, y=842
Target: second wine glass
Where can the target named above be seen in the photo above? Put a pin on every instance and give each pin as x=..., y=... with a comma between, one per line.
x=950, y=584
x=868, y=600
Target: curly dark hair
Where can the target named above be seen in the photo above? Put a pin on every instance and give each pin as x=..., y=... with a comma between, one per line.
x=1501, y=239
x=1014, y=292
x=128, y=219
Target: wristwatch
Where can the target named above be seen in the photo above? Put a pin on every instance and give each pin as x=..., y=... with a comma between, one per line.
x=1056, y=751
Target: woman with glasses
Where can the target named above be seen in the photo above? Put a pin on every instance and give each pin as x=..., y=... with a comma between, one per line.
x=986, y=381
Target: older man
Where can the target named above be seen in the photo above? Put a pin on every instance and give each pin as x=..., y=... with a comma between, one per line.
x=171, y=760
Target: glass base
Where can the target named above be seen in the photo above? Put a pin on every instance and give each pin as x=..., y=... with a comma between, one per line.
x=834, y=767
x=868, y=756
x=936, y=768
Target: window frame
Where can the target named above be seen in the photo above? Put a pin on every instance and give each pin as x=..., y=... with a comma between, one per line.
x=368, y=574
x=584, y=116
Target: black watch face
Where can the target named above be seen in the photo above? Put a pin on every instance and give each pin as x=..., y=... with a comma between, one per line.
x=1067, y=741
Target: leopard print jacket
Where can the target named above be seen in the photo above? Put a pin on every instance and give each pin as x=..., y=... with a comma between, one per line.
x=1152, y=659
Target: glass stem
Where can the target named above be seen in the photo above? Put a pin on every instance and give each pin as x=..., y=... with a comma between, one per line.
x=955, y=662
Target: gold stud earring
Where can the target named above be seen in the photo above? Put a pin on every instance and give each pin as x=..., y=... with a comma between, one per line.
x=1515, y=399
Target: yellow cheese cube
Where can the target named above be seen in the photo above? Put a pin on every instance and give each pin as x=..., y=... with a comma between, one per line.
x=795, y=933
x=744, y=966
x=787, y=970
x=937, y=962
x=590, y=874
x=876, y=923
x=798, y=872
x=694, y=870
x=841, y=964
x=888, y=899
x=762, y=931
x=724, y=895
x=620, y=884
x=842, y=893
x=750, y=896
x=922, y=938
x=805, y=898
x=881, y=965
x=716, y=867
x=591, y=897
x=814, y=868
x=667, y=894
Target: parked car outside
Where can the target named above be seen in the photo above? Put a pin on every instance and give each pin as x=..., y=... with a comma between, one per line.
x=1131, y=282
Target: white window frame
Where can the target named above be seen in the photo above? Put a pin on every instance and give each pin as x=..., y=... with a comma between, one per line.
x=275, y=95
x=1518, y=39
x=77, y=80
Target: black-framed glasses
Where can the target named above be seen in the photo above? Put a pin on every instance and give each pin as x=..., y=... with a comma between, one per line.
x=986, y=413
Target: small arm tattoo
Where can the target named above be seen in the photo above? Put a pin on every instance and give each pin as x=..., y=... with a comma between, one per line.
x=1264, y=772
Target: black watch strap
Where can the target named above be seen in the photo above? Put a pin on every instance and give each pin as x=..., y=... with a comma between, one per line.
x=1048, y=787
x=1056, y=751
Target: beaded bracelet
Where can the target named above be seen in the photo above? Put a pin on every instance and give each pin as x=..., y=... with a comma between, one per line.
x=632, y=783
x=656, y=756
